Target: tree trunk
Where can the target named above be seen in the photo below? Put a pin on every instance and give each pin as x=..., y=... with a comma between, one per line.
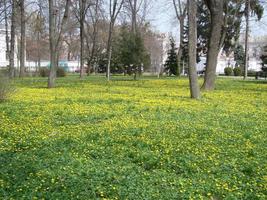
x=12, y=42
x=109, y=49
x=246, y=40
x=22, y=38
x=55, y=39
x=38, y=51
x=52, y=41
x=82, y=17
x=192, y=47
x=7, y=32
x=216, y=12
x=181, y=46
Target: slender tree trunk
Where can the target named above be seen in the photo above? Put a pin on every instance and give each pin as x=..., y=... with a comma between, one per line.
x=216, y=11
x=12, y=42
x=181, y=46
x=109, y=49
x=52, y=42
x=38, y=51
x=246, y=40
x=22, y=38
x=192, y=47
x=55, y=39
x=7, y=32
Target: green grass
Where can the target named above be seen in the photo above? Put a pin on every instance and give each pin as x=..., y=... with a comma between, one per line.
x=89, y=139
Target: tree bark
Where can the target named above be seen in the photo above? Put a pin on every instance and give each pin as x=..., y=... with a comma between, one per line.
x=246, y=40
x=12, y=41
x=192, y=49
x=22, y=38
x=82, y=18
x=55, y=39
x=216, y=12
x=181, y=46
x=114, y=9
x=52, y=44
x=7, y=31
x=109, y=49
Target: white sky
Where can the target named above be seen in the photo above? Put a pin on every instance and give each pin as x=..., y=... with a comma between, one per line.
x=163, y=19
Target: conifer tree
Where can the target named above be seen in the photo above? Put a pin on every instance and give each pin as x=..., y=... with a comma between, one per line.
x=171, y=64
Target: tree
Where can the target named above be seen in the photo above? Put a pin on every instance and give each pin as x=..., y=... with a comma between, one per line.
x=22, y=37
x=6, y=28
x=216, y=15
x=12, y=39
x=239, y=56
x=181, y=11
x=233, y=12
x=171, y=65
x=192, y=48
x=130, y=54
x=114, y=10
x=55, y=37
x=92, y=33
x=264, y=58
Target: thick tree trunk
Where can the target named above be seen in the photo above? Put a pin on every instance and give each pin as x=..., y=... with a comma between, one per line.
x=192, y=47
x=52, y=42
x=12, y=42
x=22, y=38
x=216, y=12
x=82, y=18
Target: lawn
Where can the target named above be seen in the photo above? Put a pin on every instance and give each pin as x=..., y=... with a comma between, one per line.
x=133, y=140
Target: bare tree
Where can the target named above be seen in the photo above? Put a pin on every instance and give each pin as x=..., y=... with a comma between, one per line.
x=216, y=14
x=22, y=37
x=92, y=33
x=180, y=8
x=12, y=40
x=55, y=37
x=192, y=47
x=246, y=39
x=114, y=10
x=6, y=28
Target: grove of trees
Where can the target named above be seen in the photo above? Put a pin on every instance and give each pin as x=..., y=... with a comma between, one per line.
x=110, y=34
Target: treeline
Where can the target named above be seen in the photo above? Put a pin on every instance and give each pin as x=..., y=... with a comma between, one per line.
x=113, y=33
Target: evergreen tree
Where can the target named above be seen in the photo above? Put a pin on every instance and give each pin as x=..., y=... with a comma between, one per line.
x=171, y=64
x=130, y=55
x=239, y=55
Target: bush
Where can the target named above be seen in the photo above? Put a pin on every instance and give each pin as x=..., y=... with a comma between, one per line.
x=252, y=73
x=61, y=72
x=5, y=87
x=228, y=71
x=44, y=72
x=237, y=71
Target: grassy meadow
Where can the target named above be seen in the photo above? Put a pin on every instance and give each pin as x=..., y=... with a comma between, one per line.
x=90, y=139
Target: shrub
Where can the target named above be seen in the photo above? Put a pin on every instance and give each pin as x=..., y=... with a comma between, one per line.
x=44, y=72
x=61, y=72
x=252, y=73
x=228, y=71
x=237, y=71
x=5, y=87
